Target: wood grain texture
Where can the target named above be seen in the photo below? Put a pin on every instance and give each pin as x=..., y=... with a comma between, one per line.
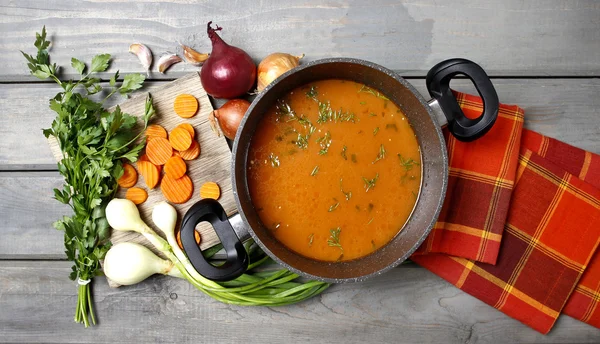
x=406, y=305
x=213, y=164
x=27, y=210
x=566, y=109
x=512, y=37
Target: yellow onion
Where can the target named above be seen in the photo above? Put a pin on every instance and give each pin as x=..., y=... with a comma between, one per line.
x=272, y=66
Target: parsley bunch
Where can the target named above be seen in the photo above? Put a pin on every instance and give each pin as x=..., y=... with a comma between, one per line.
x=93, y=142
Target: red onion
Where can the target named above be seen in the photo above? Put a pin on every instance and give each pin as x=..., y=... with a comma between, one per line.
x=229, y=116
x=229, y=72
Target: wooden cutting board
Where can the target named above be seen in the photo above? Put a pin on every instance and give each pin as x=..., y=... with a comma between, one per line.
x=213, y=164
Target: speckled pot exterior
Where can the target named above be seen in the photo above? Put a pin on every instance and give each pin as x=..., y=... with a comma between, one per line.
x=434, y=169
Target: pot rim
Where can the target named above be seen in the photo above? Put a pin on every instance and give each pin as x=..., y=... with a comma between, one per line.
x=444, y=158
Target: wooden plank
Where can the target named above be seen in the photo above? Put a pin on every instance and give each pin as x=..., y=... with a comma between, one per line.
x=213, y=164
x=507, y=38
x=405, y=305
x=566, y=109
x=27, y=210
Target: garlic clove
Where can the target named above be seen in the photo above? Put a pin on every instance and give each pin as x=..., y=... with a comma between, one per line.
x=143, y=53
x=192, y=56
x=166, y=61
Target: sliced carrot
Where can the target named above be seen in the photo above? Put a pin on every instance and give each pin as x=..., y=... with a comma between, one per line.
x=180, y=139
x=150, y=173
x=210, y=190
x=177, y=190
x=129, y=177
x=185, y=105
x=144, y=157
x=155, y=130
x=136, y=195
x=192, y=152
x=159, y=150
x=196, y=237
x=189, y=129
x=175, y=167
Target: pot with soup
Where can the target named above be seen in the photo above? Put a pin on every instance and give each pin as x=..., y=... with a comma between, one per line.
x=340, y=169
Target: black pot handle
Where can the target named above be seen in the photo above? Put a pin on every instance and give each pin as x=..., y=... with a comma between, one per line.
x=237, y=258
x=438, y=84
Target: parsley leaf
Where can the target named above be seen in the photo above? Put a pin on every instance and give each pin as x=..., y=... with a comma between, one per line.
x=131, y=82
x=113, y=80
x=100, y=63
x=93, y=142
x=78, y=65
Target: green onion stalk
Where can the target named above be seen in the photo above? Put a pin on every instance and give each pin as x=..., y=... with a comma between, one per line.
x=254, y=288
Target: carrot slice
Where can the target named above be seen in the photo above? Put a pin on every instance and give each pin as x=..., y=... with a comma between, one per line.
x=150, y=173
x=155, y=130
x=188, y=127
x=177, y=190
x=144, y=157
x=175, y=167
x=180, y=139
x=210, y=190
x=136, y=195
x=196, y=237
x=185, y=105
x=192, y=152
x=159, y=150
x=129, y=177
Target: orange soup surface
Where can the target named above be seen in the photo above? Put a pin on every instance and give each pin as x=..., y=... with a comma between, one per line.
x=334, y=170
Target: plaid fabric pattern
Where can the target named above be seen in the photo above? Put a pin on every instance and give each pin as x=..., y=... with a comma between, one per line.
x=548, y=238
x=480, y=183
x=584, y=303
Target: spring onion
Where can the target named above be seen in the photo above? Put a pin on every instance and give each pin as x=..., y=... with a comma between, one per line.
x=254, y=288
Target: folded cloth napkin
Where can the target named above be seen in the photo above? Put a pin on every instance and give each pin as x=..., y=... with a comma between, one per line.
x=480, y=181
x=520, y=223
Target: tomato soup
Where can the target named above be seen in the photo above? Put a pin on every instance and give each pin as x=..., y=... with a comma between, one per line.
x=334, y=170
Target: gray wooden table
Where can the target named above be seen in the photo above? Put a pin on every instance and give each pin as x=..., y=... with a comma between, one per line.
x=542, y=55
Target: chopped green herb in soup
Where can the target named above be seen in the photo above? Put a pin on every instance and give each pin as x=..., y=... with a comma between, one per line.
x=335, y=193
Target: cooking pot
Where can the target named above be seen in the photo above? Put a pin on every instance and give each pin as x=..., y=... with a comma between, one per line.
x=426, y=119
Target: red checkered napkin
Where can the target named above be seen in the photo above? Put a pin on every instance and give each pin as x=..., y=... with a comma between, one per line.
x=584, y=303
x=480, y=181
x=548, y=236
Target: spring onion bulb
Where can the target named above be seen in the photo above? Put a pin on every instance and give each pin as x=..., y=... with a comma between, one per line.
x=164, y=217
x=123, y=215
x=265, y=288
x=128, y=263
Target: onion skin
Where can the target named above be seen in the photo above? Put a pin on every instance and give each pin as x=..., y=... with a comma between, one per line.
x=272, y=66
x=230, y=115
x=229, y=72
